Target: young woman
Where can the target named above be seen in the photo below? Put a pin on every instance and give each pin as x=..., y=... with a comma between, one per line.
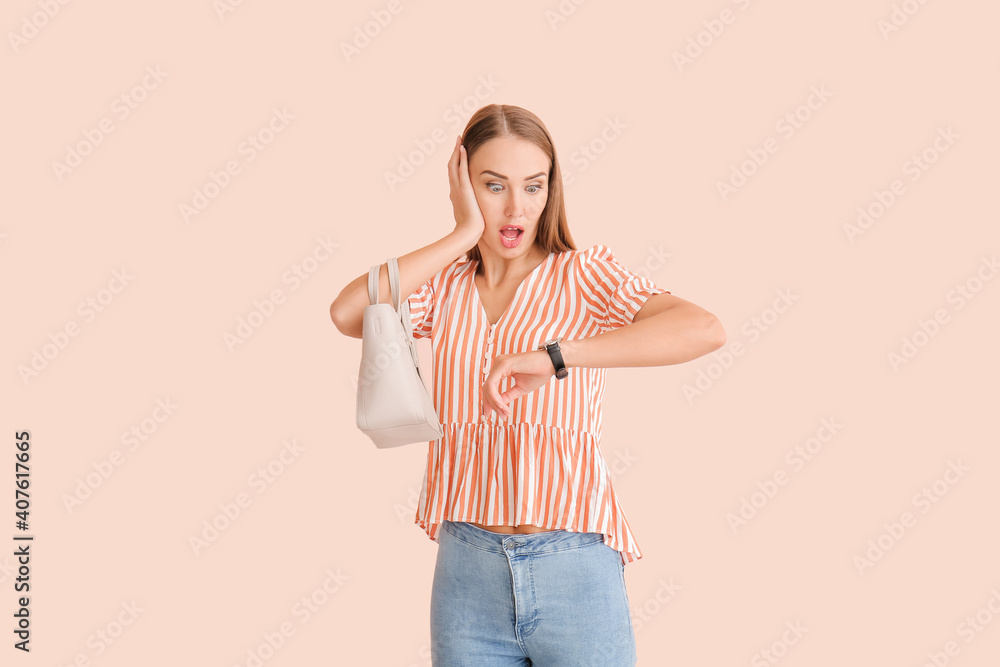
x=532, y=542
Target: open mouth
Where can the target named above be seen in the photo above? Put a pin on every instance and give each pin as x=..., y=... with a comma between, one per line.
x=511, y=235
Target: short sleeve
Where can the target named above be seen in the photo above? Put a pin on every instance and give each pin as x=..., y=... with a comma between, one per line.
x=613, y=294
x=421, y=304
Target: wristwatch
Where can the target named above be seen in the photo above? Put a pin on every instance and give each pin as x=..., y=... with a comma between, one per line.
x=552, y=347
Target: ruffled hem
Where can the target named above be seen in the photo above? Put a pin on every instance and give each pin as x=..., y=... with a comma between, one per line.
x=515, y=474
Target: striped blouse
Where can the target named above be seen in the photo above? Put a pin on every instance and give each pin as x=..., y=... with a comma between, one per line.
x=542, y=465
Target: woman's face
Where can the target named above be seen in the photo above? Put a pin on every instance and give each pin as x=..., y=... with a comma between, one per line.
x=510, y=179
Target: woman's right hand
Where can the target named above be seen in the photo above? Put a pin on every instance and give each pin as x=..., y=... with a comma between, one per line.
x=468, y=216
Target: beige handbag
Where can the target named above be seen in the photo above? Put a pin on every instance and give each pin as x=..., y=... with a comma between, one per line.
x=394, y=407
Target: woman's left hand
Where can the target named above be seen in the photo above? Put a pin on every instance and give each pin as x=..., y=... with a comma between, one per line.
x=530, y=371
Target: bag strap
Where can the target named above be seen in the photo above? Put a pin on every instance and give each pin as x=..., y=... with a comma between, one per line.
x=394, y=282
x=373, y=283
x=403, y=310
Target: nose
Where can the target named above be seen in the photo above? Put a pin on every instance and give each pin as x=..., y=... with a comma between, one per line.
x=515, y=205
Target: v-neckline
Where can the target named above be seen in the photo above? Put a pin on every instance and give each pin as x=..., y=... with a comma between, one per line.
x=513, y=300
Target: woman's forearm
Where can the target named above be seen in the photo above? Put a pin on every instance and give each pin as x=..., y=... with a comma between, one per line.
x=415, y=268
x=674, y=336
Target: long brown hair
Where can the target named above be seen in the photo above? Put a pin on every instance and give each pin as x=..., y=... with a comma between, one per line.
x=500, y=120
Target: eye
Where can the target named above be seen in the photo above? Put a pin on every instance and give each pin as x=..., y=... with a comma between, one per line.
x=537, y=190
x=490, y=186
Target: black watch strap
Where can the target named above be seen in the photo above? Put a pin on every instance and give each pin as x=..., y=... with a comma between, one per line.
x=552, y=347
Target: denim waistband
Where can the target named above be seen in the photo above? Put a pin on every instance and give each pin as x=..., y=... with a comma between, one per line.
x=527, y=543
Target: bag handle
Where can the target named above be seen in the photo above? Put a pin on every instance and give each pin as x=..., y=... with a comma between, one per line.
x=393, y=283
x=373, y=284
x=404, y=311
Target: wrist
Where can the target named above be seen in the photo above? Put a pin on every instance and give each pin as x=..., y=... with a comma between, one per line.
x=570, y=351
x=548, y=360
x=464, y=239
x=553, y=349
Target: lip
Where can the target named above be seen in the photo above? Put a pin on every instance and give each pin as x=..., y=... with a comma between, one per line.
x=514, y=241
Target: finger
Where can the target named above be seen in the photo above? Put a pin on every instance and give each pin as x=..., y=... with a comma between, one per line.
x=501, y=411
x=456, y=157
x=490, y=387
x=489, y=390
x=512, y=394
x=497, y=409
x=453, y=163
x=494, y=401
x=463, y=168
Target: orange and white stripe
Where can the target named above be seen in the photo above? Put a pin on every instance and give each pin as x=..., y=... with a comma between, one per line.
x=543, y=465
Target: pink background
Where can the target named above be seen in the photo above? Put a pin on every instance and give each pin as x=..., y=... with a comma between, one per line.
x=661, y=136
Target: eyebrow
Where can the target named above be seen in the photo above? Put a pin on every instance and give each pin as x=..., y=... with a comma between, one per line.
x=527, y=178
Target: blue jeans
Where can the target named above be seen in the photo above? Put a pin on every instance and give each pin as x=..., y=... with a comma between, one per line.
x=551, y=599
